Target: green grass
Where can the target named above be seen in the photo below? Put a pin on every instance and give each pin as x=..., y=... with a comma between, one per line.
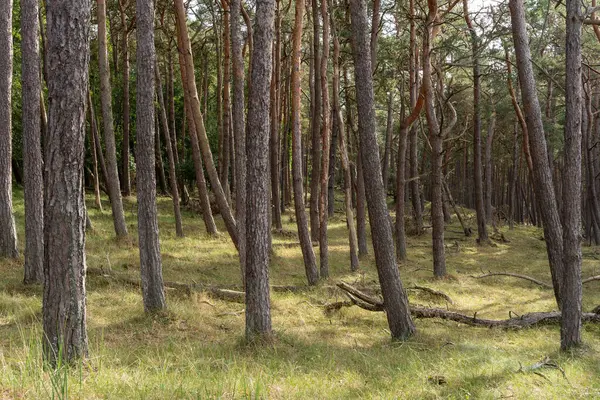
x=197, y=349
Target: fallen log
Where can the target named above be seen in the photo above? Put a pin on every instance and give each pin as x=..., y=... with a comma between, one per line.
x=524, y=321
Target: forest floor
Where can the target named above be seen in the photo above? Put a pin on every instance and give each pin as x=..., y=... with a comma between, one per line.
x=196, y=350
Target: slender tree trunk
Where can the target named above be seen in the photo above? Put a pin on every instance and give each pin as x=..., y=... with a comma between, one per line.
x=159, y=167
x=571, y=291
x=326, y=143
x=239, y=132
x=258, y=307
x=32, y=144
x=226, y=99
x=310, y=263
x=8, y=232
x=97, y=141
x=125, y=175
x=274, y=137
x=488, y=164
x=513, y=180
x=112, y=174
x=92, y=139
x=482, y=235
x=170, y=155
x=194, y=107
x=150, y=258
x=541, y=170
x=64, y=308
x=387, y=152
x=394, y=296
x=316, y=126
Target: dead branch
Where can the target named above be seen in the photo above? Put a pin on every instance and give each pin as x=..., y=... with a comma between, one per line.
x=528, y=278
x=433, y=292
x=590, y=279
x=525, y=321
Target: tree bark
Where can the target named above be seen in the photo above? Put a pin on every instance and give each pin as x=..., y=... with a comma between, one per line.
x=125, y=175
x=8, y=232
x=64, y=308
x=544, y=189
x=32, y=144
x=395, y=299
x=488, y=165
x=571, y=291
x=477, y=170
x=310, y=263
x=194, y=106
x=258, y=307
x=317, y=114
x=239, y=130
x=112, y=174
x=387, y=152
x=274, y=141
x=170, y=155
x=326, y=144
x=150, y=259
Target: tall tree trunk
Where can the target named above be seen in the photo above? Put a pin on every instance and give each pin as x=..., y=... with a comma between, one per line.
x=275, y=110
x=150, y=259
x=226, y=99
x=194, y=107
x=32, y=144
x=326, y=143
x=317, y=114
x=125, y=175
x=258, y=306
x=64, y=308
x=544, y=189
x=239, y=130
x=97, y=141
x=92, y=139
x=112, y=174
x=310, y=263
x=8, y=232
x=159, y=167
x=488, y=164
x=482, y=235
x=571, y=293
x=512, y=210
x=394, y=296
x=170, y=155
x=387, y=151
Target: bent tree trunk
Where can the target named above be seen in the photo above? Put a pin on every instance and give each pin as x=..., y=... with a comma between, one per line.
x=8, y=232
x=398, y=313
x=112, y=174
x=64, y=308
x=310, y=262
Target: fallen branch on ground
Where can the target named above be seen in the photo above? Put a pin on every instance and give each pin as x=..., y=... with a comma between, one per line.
x=528, y=278
x=369, y=303
x=433, y=292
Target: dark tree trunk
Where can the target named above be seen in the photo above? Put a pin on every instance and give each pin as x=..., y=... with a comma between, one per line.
x=170, y=155
x=64, y=308
x=477, y=170
x=32, y=145
x=125, y=175
x=258, y=307
x=571, y=291
x=310, y=263
x=8, y=232
x=394, y=296
x=317, y=114
x=112, y=174
x=239, y=131
x=541, y=170
x=150, y=258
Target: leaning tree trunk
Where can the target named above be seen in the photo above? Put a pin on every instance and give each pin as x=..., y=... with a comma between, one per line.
x=170, y=155
x=191, y=93
x=310, y=263
x=542, y=182
x=150, y=259
x=112, y=174
x=32, y=145
x=64, y=308
x=8, y=232
x=258, y=306
x=395, y=299
x=571, y=293
x=239, y=130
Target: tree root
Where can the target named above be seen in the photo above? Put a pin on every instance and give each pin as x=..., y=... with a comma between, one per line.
x=525, y=321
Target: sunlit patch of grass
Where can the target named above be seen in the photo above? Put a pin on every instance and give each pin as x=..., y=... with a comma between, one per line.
x=196, y=350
